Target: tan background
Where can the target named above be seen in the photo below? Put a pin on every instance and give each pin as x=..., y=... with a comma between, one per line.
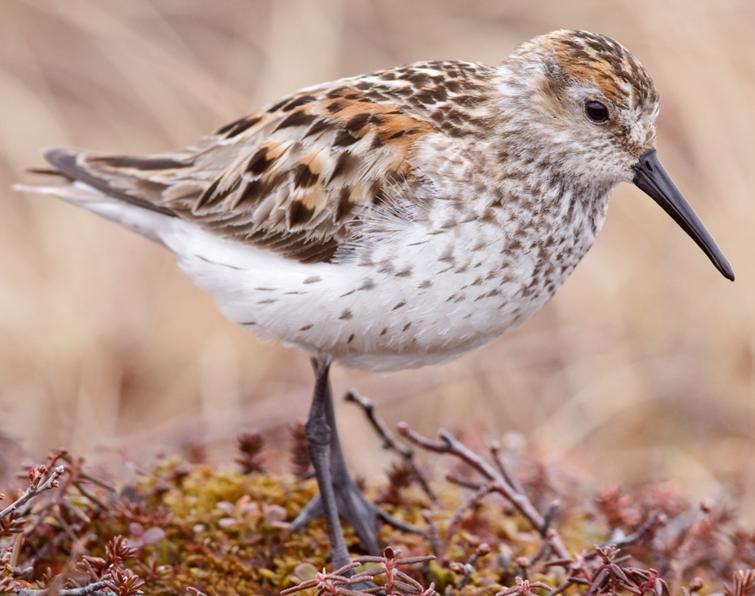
x=641, y=368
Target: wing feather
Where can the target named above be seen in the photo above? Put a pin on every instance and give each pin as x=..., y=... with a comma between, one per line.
x=298, y=177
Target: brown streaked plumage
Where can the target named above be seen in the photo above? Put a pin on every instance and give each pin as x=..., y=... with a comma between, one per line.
x=298, y=176
x=597, y=58
x=400, y=218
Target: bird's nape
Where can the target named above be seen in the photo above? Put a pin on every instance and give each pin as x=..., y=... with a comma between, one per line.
x=652, y=178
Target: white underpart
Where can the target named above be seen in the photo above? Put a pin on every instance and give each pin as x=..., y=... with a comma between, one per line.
x=379, y=314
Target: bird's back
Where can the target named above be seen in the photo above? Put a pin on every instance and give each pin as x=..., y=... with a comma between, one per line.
x=296, y=177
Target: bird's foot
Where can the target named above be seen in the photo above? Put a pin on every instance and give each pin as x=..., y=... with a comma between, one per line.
x=357, y=511
x=352, y=508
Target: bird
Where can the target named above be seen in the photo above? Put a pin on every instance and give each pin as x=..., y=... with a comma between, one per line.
x=396, y=219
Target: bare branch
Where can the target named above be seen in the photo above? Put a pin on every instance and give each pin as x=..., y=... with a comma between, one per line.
x=651, y=522
x=35, y=488
x=468, y=505
x=468, y=568
x=432, y=533
x=390, y=442
x=463, y=482
x=494, y=478
x=102, y=587
x=500, y=463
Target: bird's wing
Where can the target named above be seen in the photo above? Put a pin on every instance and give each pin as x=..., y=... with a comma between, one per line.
x=296, y=178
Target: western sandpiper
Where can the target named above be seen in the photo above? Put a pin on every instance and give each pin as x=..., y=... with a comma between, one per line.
x=399, y=218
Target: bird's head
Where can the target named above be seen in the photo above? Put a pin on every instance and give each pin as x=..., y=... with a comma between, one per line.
x=588, y=105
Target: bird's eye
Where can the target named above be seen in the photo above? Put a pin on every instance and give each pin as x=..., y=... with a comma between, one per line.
x=596, y=111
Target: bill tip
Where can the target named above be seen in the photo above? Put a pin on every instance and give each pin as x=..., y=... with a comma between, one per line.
x=727, y=271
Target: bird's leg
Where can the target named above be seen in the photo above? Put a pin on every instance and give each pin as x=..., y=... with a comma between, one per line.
x=348, y=499
x=351, y=504
x=319, y=433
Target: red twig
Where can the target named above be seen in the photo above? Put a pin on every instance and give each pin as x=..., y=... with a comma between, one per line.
x=40, y=481
x=390, y=442
x=494, y=478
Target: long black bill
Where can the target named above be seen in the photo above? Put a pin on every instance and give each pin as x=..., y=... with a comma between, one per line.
x=651, y=178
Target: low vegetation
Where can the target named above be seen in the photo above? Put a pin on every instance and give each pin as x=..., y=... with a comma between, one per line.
x=492, y=525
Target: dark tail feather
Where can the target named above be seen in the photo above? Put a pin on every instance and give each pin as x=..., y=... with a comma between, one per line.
x=66, y=164
x=48, y=172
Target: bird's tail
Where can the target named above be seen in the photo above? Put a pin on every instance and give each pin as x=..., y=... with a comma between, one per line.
x=123, y=189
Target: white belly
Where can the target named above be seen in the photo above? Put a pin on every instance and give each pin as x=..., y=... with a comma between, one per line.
x=403, y=300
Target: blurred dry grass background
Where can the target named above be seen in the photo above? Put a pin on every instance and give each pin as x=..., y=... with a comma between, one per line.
x=642, y=368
